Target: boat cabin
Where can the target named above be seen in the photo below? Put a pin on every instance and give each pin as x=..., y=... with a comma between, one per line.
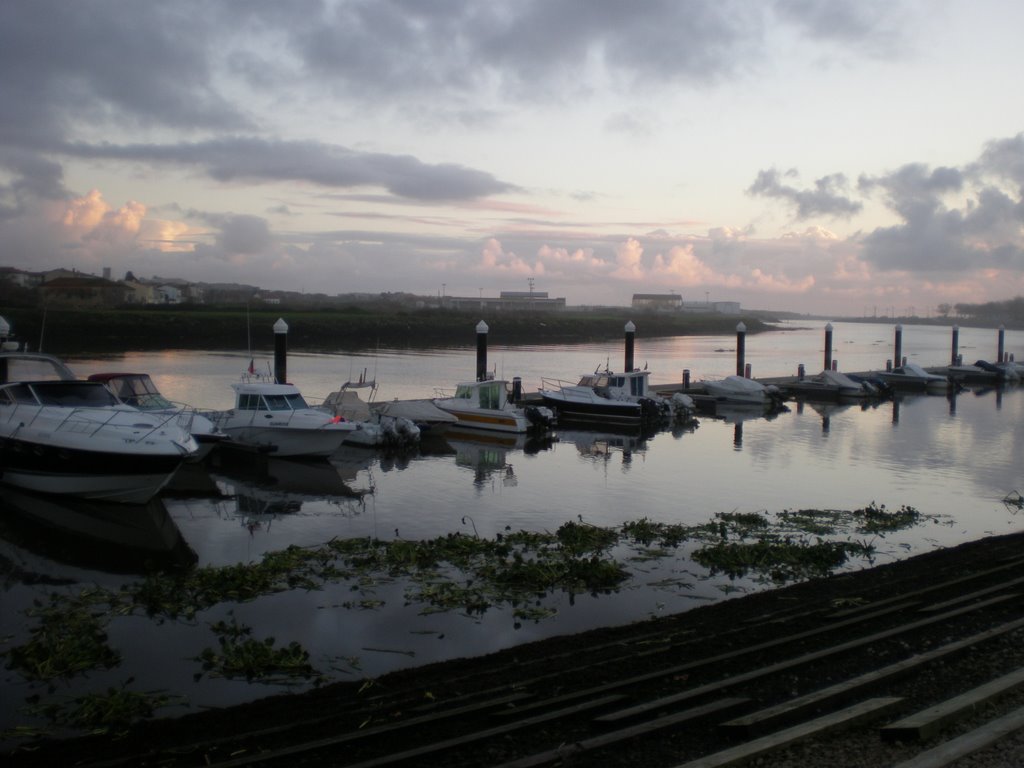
x=269, y=397
x=65, y=394
x=491, y=394
x=617, y=385
x=134, y=389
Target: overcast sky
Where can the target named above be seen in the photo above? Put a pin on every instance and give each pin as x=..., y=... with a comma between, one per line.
x=833, y=157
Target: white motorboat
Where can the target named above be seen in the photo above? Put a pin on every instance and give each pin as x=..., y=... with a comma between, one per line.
x=277, y=419
x=139, y=391
x=604, y=397
x=63, y=436
x=741, y=390
x=421, y=412
x=486, y=405
x=833, y=385
x=913, y=376
x=375, y=427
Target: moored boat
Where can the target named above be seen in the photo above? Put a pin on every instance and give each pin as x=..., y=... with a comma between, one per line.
x=277, y=419
x=487, y=405
x=744, y=391
x=64, y=436
x=604, y=397
x=913, y=376
x=139, y=391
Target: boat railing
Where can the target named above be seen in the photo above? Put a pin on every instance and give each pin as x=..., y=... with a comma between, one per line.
x=84, y=420
x=546, y=383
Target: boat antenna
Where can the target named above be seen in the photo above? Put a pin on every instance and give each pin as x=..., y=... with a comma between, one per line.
x=42, y=327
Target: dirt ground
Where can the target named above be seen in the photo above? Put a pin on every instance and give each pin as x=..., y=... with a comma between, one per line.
x=398, y=694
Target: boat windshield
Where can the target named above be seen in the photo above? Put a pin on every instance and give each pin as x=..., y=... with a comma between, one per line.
x=285, y=402
x=488, y=394
x=73, y=394
x=140, y=392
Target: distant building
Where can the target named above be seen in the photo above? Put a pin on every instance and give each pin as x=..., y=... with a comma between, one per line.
x=84, y=292
x=509, y=301
x=673, y=302
x=657, y=302
x=719, y=307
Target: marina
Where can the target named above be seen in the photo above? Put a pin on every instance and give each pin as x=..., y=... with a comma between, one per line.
x=953, y=457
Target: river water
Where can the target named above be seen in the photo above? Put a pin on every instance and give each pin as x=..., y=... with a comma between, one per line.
x=955, y=459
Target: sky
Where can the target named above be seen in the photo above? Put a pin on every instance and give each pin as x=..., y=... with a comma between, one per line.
x=845, y=158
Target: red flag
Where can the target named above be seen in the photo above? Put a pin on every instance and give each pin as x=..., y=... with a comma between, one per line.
x=252, y=367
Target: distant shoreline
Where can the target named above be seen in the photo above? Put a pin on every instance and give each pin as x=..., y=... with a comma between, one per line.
x=80, y=331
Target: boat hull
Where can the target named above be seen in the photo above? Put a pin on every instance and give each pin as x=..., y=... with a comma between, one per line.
x=610, y=412
x=289, y=442
x=495, y=421
x=128, y=478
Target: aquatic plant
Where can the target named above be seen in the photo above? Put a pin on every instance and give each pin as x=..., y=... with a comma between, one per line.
x=109, y=712
x=876, y=518
x=256, y=660
x=69, y=640
x=778, y=560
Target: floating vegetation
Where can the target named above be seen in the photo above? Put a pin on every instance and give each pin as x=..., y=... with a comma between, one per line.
x=104, y=713
x=877, y=519
x=515, y=571
x=778, y=560
x=69, y=640
x=256, y=660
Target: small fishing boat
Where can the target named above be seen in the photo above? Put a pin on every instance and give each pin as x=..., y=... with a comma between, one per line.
x=744, y=391
x=376, y=427
x=487, y=405
x=70, y=437
x=277, y=419
x=604, y=397
x=833, y=385
x=913, y=376
x=139, y=391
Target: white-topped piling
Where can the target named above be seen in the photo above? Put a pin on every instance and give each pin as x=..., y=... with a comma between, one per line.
x=481, y=350
x=281, y=351
x=741, y=347
x=828, y=347
x=630, y=336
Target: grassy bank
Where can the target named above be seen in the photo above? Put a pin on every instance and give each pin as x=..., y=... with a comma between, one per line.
x=70, y=331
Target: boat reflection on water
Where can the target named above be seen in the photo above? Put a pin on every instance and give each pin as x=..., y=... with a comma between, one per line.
x=108, y=537
x=602, y=444
x=486, y=452
x=280, y=487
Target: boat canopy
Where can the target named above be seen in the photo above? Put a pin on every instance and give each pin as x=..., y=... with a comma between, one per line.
x=485, y=394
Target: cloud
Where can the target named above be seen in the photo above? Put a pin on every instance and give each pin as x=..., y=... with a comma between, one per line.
x=262, y=160
x=826, y=199
x=952, y=219
x=70, y=66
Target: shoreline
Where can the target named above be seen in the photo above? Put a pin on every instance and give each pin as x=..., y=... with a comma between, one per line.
x=166, y=740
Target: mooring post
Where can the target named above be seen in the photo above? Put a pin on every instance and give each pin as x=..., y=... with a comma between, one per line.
x=898, y=355
x=630, y=335
x=5, y=331
x=800, y=372
x=281, y=351
x=828, y=347
x=741, y=347
x=955, y=348
x=686, y=378
x=481, y=350
x=1002, y=345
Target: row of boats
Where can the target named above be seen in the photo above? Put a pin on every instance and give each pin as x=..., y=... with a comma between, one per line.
x=115, y=437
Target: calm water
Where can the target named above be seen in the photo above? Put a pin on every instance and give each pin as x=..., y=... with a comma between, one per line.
x=954, y=459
